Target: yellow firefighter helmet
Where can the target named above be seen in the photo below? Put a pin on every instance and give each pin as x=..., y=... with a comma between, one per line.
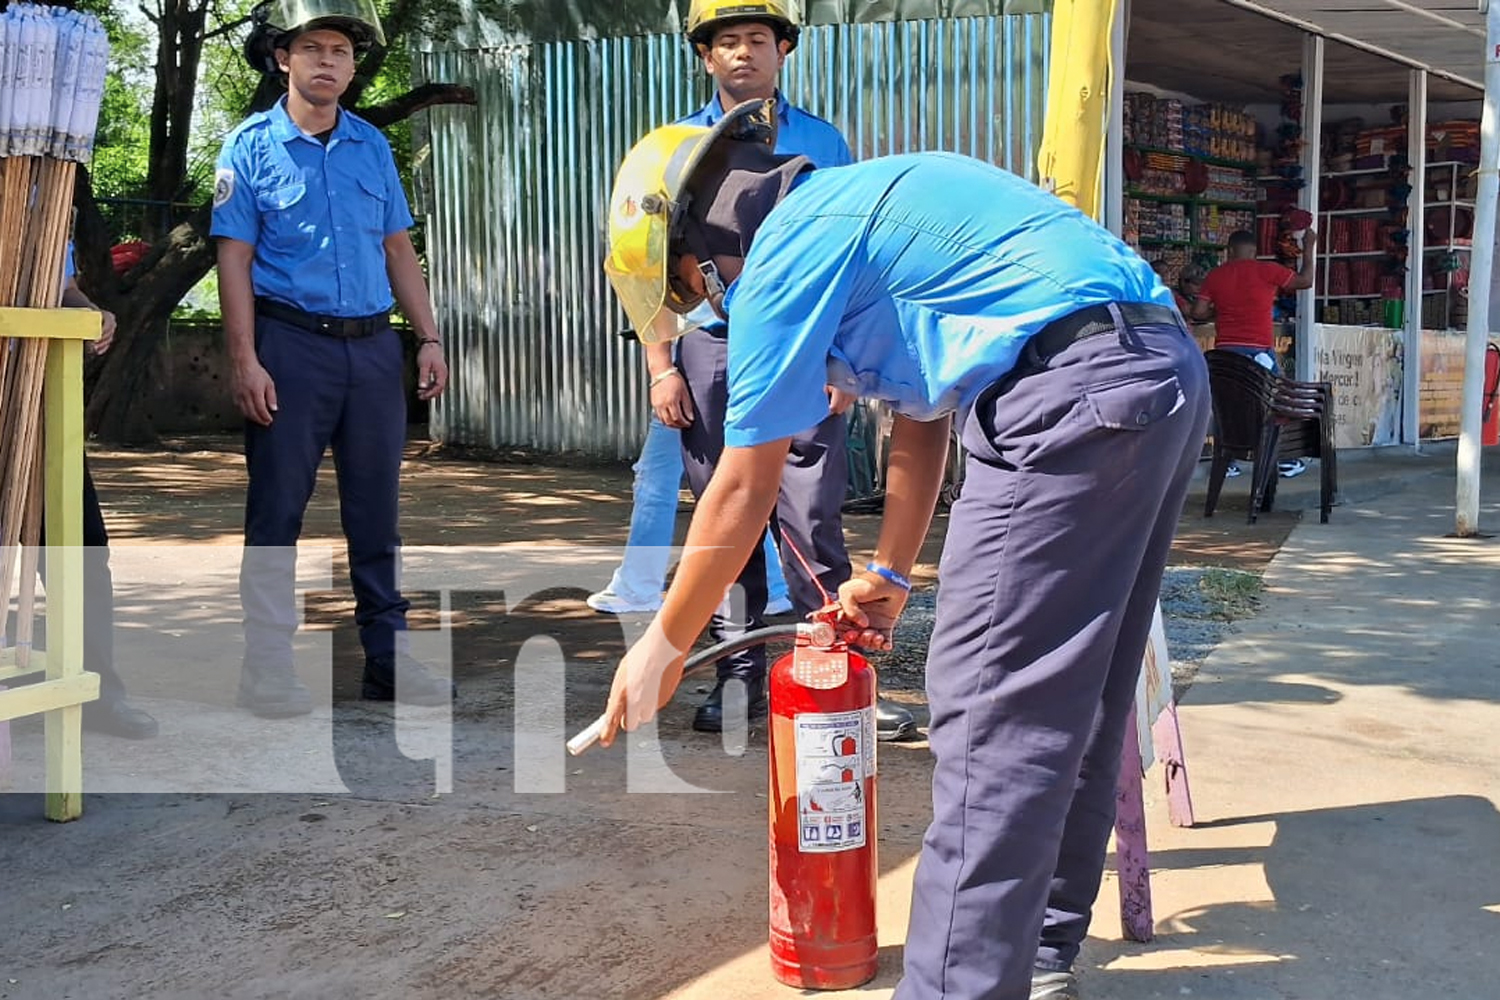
x=707, y=16
x=648, y=210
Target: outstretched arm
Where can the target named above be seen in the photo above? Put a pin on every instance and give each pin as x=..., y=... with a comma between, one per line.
x=726, y=528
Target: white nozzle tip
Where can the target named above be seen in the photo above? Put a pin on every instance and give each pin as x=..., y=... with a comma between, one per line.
x=587, y=738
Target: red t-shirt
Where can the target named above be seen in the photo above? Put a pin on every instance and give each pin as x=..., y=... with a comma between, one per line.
x=1243, y=293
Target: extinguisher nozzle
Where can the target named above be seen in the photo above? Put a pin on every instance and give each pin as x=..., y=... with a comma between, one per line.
x=586, y=738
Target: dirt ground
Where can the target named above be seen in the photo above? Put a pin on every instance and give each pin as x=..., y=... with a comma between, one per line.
x=384, y=880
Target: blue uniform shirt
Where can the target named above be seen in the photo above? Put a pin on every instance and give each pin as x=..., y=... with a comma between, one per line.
x=797, y=134
x=317, y=215
x=877, y=278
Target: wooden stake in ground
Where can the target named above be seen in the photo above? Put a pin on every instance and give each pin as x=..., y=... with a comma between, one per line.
x=31, y=541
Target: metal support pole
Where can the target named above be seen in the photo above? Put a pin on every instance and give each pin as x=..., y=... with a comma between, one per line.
x=1416, y=242
x=1306, y=367
x=1481, y=271
x=1114, y=136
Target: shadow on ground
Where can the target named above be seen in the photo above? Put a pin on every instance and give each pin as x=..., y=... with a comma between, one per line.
x=1354, y=880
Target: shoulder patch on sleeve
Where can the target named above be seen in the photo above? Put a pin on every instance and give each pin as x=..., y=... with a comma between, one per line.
x=223, y=186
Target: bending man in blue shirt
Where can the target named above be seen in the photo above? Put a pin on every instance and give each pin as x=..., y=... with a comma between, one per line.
x=312, y=227
x=1082, y=401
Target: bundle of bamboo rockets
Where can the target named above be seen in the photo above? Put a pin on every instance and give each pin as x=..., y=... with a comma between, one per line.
x=52, y=70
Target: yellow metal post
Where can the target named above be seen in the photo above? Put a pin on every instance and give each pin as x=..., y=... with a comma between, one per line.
x=66, y=687
x=1070, y=161
x=63, y=450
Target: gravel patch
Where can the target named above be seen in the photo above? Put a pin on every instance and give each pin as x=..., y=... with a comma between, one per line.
x=1199, y=606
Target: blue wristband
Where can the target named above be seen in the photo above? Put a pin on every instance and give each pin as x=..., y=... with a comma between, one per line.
x=886, y=573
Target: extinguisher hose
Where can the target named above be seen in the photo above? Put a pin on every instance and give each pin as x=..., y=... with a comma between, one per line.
x=755, y=637
x=713, y=654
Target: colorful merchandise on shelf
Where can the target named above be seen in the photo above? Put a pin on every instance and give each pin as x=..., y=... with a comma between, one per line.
x=1214, y=224
x=1160, y=220
x=1218, y=131
x=1456, y=141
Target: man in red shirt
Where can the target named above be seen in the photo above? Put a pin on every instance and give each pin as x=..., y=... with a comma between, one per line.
x=1239, y=296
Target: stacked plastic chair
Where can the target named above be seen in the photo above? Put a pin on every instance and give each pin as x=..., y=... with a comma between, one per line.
x=1263, y=418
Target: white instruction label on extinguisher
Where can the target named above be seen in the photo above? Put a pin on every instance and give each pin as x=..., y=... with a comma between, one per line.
x=835, y=753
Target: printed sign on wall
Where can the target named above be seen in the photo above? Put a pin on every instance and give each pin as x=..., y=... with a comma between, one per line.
x=1363, y=363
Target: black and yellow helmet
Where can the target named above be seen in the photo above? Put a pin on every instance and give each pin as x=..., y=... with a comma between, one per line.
x=707, y=16
x=648, y=210
x=276, y=22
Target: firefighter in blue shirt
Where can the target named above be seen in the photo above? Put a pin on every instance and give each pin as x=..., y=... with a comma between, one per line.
x=312, y=226
x=743, y=46
x=1082, y=402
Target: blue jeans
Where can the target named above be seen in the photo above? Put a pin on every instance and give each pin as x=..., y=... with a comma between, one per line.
x=653, y=519
x=1266, y=359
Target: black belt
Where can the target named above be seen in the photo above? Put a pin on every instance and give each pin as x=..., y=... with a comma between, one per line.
x=1091, y=321
x=1080, y=324
x=345, y=327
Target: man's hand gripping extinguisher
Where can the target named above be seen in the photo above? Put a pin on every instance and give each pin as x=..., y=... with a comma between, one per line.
x=822, y=803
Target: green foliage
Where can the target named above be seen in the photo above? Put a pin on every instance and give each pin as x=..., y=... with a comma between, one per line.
x=202, y=303
x=225, y=86
x=122, y=144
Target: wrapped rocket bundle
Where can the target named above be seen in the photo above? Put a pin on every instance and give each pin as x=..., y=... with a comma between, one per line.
x=52, y=71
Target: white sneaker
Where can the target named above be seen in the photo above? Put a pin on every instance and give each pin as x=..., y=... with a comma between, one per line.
x=1292, y=469
x=1054, y=986
x=1232, y=471
x=610, y=603
x=779, y=606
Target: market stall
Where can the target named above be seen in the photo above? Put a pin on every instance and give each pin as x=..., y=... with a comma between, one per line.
x=1234, y=121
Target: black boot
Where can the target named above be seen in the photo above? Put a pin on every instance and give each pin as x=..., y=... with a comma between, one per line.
x=117, y=717
x=893, y=723
x=710, y=715
x=273, y=692
x=388, y=678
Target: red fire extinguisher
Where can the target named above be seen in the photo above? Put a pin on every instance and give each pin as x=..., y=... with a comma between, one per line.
x=822, y=803
x=1491, y=411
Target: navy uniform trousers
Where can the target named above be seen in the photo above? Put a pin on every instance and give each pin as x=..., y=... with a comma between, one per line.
x=349, y=394
x=808, y=510
x=1076, y=476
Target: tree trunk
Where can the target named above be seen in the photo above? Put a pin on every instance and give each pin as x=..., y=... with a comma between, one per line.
x=418, y=99
x=178, y=54
x=117, y=410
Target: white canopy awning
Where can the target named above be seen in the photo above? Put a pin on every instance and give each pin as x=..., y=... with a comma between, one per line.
x=1445, y=37
x=1217, y=49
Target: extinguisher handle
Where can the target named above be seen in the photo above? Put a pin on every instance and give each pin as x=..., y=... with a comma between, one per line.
x=818, y=632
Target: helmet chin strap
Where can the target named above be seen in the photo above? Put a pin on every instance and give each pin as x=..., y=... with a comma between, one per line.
x=713, y=287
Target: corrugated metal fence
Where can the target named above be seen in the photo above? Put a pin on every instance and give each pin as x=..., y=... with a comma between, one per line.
x=515, y=192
